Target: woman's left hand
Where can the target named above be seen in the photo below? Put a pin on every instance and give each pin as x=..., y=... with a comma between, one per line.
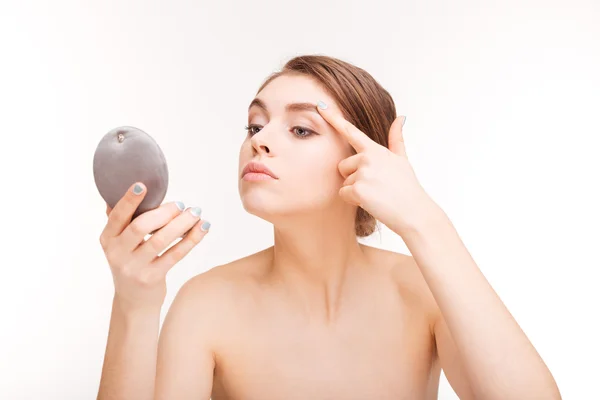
x=381, y=180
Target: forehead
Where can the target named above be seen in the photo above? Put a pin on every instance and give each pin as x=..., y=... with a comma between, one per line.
x=286, y=89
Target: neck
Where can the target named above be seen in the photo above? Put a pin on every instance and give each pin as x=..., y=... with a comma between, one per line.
x=315, y=256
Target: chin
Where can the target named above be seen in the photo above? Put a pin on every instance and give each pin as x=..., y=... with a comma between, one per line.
x=258, y=204
x=263, y=213
x=265, y=207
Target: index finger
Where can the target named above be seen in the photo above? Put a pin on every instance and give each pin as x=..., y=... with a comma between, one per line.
x=120, y=216
x=357, y=139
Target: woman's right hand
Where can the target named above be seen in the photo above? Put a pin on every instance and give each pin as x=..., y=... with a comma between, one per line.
x=139, y=274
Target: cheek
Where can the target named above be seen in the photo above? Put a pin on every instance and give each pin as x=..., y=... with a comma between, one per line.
x=316, y=171
x=245, y=153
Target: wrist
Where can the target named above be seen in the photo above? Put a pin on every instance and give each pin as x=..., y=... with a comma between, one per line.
x=136, y=310
x=427, y=216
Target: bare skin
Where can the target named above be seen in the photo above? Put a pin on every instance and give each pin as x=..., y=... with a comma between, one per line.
x=375, y=341
x=317, y=315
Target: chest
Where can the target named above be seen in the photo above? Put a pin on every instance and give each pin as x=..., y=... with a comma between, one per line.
x=376, y=356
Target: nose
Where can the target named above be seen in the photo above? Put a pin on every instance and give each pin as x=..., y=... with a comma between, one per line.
x=259, y=142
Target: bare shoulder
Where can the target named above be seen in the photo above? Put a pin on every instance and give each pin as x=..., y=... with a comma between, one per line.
x=405, y=271
x=223, y=283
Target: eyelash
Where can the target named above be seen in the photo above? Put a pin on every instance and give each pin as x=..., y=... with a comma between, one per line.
x=309, y=132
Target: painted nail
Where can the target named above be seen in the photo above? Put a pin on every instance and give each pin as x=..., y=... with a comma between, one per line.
x=180, y=205
x=137, y=189
x=196, y=211
x=322, y=105
x=205, y=226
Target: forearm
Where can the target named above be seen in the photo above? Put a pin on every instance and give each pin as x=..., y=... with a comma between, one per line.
x=497, y=356
x=129, y=369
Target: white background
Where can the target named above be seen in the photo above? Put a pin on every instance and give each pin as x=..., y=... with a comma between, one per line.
x=502, y=102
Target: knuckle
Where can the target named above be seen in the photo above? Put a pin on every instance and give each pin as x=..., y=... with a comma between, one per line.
x=177, y=254
x=147, y=279
x=364, y=159
x=127, y=272
x=117, y=215
x=111, y=257
x=358, y=188
x=156, y=244
x=130, y=204
x=196, y=235
x=132, y=199
x=347, y=126
x=137, y=229
x=365, y=173
x=103, y=242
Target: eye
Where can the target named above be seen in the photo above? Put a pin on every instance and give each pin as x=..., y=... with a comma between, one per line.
x=252, y=129
x=302, y=132
x=298, y=131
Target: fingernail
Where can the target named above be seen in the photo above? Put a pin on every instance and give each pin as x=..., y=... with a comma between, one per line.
x=205, y=226
x=196, y=211
x=403, y=120
x=180, y=205
x=321, y=105
x=137, y=189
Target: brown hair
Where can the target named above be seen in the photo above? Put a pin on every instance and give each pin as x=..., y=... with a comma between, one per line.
x=362, y=100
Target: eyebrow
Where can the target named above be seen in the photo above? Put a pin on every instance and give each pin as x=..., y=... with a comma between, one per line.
x=292, y=107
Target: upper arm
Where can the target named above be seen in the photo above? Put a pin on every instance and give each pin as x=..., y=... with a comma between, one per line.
x=446, y=350
x=450, y=360
x=185, y=361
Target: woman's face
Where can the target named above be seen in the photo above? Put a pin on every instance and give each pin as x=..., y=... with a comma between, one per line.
x=287, y=134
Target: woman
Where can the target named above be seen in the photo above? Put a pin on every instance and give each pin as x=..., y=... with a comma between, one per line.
x=317, y=315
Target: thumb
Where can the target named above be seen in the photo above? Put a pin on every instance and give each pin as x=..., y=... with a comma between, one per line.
x=395, y=138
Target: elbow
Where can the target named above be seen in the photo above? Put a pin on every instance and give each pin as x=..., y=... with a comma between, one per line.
x=547, y=390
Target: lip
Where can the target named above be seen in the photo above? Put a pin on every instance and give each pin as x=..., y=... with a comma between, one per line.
x=258, y=168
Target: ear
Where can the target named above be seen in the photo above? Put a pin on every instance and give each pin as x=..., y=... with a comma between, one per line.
x=395, y=138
